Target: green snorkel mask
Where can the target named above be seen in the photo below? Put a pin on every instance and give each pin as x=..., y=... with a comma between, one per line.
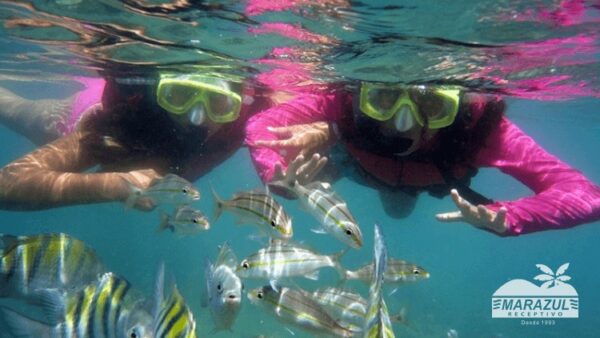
x=408, y=104
x=199, y=96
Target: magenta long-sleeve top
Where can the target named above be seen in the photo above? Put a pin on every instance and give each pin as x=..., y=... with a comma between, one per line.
x=563, y=196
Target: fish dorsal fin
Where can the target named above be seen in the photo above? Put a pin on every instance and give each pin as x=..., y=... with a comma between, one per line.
x=8, y=243
x=159, y=289
x=226, y=256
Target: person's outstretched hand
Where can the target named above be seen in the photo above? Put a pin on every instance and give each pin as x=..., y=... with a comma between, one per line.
x=479, y=215
x=141, y=179
x=301, y=170
x=300, y=139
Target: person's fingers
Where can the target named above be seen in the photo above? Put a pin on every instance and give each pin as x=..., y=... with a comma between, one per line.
x=286, y=132
x=292, y=170
x=308, y=165
x=320, y=164
x=453, y=216
x=500, y=221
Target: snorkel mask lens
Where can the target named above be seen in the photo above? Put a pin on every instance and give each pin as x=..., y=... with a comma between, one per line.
x=181, y=94
x=382, y=102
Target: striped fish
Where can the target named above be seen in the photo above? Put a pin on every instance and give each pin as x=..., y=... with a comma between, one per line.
x=332, y=212
x=109, y=308
x=281, y=259
x=170, y=189
x=349, y=308
x=377, y=321
x=297, y=308
x=259, y=208
x=57, y=261
x=174, y=318
x=398, y=271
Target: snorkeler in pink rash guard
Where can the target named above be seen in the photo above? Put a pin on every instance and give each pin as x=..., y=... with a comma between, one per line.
x=426, y=138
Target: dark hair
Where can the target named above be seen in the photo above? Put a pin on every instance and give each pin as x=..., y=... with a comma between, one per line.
x=133, y=130
x=461, y=141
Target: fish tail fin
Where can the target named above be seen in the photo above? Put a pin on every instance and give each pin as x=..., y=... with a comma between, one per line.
x=337, y=265
x=134, y=194
x=20, y=325
x=164, y=221
x=159, y=289
x=218, y=209
x=400, y=317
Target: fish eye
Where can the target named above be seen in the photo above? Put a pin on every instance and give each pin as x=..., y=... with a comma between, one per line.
x=259, y=295
x=273, y=224
x=185, y=190
x=416, y=272
x=219, y=287
x=348, y=232
x=195, y=221
x=134, y=333
x=245, y=265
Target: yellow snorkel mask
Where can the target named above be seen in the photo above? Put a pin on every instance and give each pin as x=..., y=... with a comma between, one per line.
x=200, y=96
x=408, y=104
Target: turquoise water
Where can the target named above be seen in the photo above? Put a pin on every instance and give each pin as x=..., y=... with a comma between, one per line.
x=466, y=265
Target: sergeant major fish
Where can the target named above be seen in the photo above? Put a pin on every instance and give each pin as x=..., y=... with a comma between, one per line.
x=172, y=317
x=184, y=221
x=297, y=308
x=259, y=208
x=224, y=289
x=170, y=189
x=332, y=212
x=109, y=308
x=31, y=263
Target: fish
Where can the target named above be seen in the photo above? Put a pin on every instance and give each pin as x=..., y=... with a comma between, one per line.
x=169, y=189
x=398, y=271
x=45, y=261
x=109, y=308
x=281, y=259
x=297, y=308
x=349, y=308
x=330, y=210
x=224, y=289
x=259, y=208
x=184, y=221
x=172, y=318
x=377, y=322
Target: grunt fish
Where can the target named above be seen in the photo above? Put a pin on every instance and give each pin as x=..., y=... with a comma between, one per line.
x=297, y=308
x=170, y=189
x=224, y=289
x=259, y=208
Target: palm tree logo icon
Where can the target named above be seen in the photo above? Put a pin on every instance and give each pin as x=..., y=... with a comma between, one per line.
x=550, y=278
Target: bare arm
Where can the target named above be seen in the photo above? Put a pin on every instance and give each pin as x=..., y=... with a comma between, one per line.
x=53, y=175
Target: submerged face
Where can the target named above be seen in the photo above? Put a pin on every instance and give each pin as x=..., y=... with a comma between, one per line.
x=405, y=115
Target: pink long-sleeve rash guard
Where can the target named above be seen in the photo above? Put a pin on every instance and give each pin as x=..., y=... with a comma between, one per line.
x=564, y=197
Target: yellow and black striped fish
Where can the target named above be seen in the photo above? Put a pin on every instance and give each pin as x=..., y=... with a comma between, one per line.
x=58, y=261
x=109, y=308
x=174, y=318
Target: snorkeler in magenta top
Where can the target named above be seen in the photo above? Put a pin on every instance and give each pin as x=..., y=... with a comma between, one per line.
x=414, y=138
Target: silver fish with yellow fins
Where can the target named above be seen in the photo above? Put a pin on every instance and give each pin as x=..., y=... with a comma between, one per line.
x=223, y=289
x=57, y=261
x=398, y=271
x=185, y=220
x=282, y=259
x=109, y=308
x=297, y=308
x=377, y=321
x=169, y=189
x=257, y=207
x=319, y=199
